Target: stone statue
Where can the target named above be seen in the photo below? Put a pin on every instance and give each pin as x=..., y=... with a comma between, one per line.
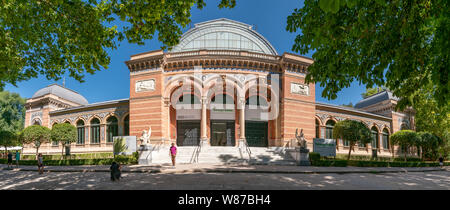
x=300, y=139
x=145, y=138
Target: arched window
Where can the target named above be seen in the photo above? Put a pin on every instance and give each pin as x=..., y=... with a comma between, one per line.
x=67, y=122
x=112, y=128
x=375, y=138
x=37, y=122
x=188, y=99
x=317, y=129
x=256, y=101
x=95, y=131
x=404, y=126
x=126, y=126
x=80, y=132
x=385, y=138
x=222, y=101
x=329, y=129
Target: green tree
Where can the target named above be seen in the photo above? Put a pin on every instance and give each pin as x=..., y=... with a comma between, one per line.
x=64, y=133
x=37, y=135
x=12, y=111
x=405, y=139
x=372, y=91
x=8, y=139
x=353, y=132
x=401, y=43
x=348, y=105
x=50, y=37
x=429, y=145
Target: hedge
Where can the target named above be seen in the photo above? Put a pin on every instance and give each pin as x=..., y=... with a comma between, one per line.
x=72, y=162
x=369, y=158
x=314, y=156
x=357, y=163
x=73, y=156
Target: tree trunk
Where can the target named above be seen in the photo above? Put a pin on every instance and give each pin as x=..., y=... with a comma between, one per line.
x=349, y=151
x=37, y=152
x=6, y=151
x=62, y=151
x=405, y=153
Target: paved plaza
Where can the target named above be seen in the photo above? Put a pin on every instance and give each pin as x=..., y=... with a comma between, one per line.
x=247, y=178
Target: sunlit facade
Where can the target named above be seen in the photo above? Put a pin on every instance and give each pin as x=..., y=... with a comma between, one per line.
x=224, y=85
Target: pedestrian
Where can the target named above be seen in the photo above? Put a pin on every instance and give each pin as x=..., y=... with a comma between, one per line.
x=17, y=158
x=173, y=153
x=40, y=163
x=115, y=171
x=9, y=159
x=441, y=161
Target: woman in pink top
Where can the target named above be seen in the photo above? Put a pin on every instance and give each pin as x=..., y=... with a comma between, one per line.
x=173, y=153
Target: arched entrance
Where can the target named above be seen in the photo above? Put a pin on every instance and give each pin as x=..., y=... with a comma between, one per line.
x=188, y=117
x=222, y=120
x=256, y=121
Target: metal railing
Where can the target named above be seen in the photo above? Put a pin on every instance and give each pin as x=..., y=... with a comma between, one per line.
x=194, y=157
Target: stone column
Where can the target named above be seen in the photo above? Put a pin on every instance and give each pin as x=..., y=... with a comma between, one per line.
x=169, y=134
x=203, y=126
x=241, y=104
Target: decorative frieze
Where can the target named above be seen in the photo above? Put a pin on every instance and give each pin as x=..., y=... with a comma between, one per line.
x=145, y=85
x=301, y=89
x=339, y=117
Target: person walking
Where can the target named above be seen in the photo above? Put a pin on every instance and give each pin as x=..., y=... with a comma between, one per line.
x=173, y=153
x=115, y=171
x=9, y=160
x=40, y=163
x=17, y=158
x=441, y=161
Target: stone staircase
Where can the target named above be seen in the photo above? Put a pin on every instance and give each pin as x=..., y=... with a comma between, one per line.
x=221, y=155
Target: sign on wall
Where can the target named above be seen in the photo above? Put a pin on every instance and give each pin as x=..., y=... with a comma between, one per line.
x=300, y=89
x=145, y=85
x=222, y=114
x=256, y=114
x=189, y=114
x=325, y=147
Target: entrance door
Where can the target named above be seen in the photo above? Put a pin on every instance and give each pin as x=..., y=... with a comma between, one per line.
x=222, y=133
x=188, y=133
x=256, y=133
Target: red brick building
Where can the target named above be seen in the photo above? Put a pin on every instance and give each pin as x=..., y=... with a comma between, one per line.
x=223, y=85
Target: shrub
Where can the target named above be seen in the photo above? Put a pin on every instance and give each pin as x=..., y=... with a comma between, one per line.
x=314, y=156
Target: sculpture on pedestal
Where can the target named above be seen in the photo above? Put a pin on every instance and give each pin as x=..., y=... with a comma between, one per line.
x=300, y=139
x=145, y=138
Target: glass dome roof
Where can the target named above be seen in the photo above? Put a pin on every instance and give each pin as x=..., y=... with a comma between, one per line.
x=224, y=34
x=62, y=92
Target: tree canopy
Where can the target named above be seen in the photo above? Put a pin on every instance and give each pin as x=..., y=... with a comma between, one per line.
x=12, y=111
x=405, y=139
x=8, y=139
x=64, y=133
x=429, y=144
x=36, y=134
x=352, y=131
x=401, y=43
x=52, y=37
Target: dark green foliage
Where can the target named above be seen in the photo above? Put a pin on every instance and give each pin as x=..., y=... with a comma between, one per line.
x=360, y=163
x=54, y=37
x=405, y=139
x=35, y=134
x=12, y=110
x=67, y=162
x=314, y=156
x=352, y=131
x=401, y=43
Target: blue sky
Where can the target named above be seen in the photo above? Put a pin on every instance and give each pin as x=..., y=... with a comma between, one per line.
x=267, y=16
